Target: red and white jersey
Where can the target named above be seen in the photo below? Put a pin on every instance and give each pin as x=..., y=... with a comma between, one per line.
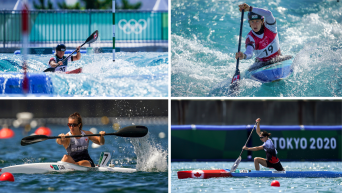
x=266, y=45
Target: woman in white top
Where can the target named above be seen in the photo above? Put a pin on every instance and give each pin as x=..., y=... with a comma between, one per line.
x=77, y=147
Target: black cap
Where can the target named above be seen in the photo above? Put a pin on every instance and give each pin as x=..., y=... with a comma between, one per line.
x=61, y=47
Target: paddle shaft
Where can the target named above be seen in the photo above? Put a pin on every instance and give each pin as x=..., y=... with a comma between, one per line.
x=239, y=47
x=70, y=136
x=248, y=138
x=234, y=86
x=72, y=53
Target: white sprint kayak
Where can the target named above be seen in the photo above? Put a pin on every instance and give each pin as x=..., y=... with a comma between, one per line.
x=39, y=168
x=60, y=166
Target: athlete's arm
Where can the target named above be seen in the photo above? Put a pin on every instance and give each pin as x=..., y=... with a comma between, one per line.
x=253, y=148
x=249, y=52
x=63, y=141
x=78, y=55
x=247, y=55
x=53, y=63
x=258, y=126
x=97, y=139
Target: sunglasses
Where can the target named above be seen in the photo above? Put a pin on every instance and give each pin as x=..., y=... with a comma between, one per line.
x=261, y=137
x=73, y=124
x=63, y=50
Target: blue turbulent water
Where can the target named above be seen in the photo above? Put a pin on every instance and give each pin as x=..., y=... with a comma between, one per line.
x=204, y=39
x=257, y=185
x=140, y=74
x=152, y=174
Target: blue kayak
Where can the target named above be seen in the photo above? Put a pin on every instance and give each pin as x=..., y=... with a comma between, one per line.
x=273, y=70
x=204, y=174
x=286, y=174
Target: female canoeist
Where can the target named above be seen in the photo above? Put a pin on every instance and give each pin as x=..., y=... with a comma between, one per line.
x=77, y=148
x=56, y=61
x=263, y=38
x=272, y=160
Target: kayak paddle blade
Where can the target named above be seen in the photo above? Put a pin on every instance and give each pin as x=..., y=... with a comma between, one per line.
x=132, y=131
x=50, y=70
x=234, y=86
x=33, y=139
x=236, y=164
x=92, y=38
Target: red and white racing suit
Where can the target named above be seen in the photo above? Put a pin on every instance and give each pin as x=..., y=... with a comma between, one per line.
x=266, y=45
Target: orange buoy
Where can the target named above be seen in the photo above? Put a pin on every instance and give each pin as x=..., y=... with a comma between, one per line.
x=7, y=177
x=275, y=183
x=43, y=131
x=6, y=133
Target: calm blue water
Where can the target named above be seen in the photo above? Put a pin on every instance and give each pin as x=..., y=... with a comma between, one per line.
x=205, y=38
x=140, y=74
x=255, y=184
x=152, y=175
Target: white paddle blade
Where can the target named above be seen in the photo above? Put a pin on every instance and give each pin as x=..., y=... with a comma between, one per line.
x=236, y=164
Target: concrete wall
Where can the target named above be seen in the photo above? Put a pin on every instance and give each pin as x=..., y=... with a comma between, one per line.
x=87, y=108
x=242, y=112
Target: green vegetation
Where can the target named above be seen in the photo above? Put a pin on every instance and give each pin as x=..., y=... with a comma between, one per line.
x=88, y=4
x=42, y=5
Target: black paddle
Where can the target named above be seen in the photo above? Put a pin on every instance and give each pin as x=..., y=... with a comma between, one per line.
x=130, y=131
x=237, y=162
x=234, y=85
x=92, y=38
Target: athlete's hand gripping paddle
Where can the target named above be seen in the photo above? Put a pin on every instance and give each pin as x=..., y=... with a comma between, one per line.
x=92, y=38
x=234, y=85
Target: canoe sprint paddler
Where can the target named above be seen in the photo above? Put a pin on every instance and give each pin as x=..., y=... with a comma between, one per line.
x=272, y=160
x=56, y=61
x=263, y=39
x=77, y=147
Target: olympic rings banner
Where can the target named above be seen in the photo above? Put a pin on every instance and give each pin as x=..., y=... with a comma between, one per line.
x=71, y=26
x=140, y=26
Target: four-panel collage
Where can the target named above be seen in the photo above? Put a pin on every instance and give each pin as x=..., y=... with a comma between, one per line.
x=170, y=96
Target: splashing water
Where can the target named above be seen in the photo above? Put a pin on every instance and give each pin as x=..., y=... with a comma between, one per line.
x=139, y=74
x=150, y=156
x=205, y=38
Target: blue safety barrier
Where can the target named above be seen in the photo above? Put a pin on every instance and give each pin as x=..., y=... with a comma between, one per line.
x=249, y=127
x=12, y=83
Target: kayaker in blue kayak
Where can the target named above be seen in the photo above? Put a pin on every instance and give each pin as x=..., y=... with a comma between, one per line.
x=271, y=161
x=56, y=61
x=263, y=39
x=77, y=148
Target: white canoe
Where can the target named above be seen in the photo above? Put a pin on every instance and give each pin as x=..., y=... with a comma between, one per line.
x=39, y=168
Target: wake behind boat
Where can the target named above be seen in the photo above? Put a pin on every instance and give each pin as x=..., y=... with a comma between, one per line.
x=205, y=174
x=60, y=166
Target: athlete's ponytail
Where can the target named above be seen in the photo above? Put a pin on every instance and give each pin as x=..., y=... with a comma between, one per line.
x=78, y=117
x=265, y=134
